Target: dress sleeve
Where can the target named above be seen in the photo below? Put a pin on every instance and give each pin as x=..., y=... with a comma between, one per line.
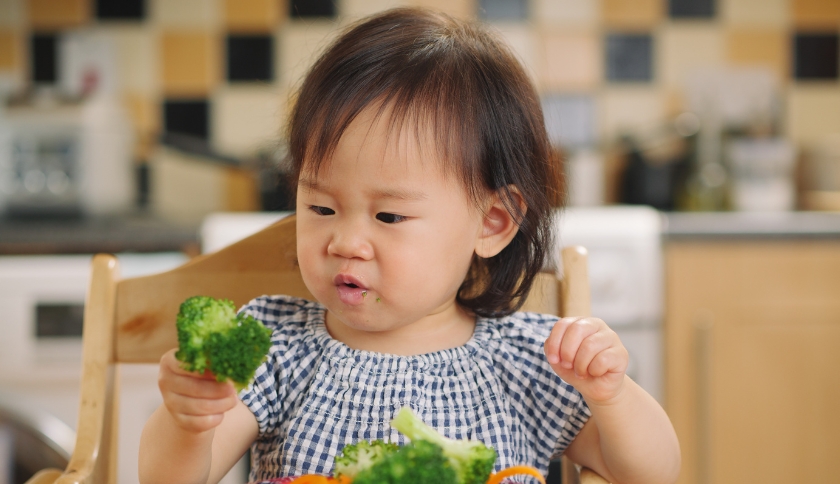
x=552, y=411
x=265, y=396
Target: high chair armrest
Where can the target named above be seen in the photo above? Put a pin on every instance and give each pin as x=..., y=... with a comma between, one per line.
x=588, y=476
x=45, y=476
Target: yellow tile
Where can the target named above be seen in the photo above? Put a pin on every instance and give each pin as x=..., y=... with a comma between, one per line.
x=189, y=62
x=186, y=13
x=813, y=112
x=630, y=109
x=766, y=47
x=456, y=8
x=755, y=12
x=682, y=49
x=251, y=15
x=816, y=13
x=246, y=119
x=49, y=14
x=145, y=115
x=10, y=54
x=566, y=12
x=571, y=61
x=11, y=13
x=635, y=14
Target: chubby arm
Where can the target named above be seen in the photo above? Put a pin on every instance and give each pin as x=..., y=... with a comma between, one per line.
x=200, y=431
x=629, y=438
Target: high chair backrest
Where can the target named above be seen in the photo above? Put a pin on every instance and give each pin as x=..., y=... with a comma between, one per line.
x=133, y=321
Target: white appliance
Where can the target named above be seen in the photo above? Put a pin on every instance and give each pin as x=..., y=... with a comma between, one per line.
x=66, y=158
x=41, y=301
x=625, y=271
x=626, y=279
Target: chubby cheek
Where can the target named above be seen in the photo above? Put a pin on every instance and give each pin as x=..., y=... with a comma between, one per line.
x=310, y=268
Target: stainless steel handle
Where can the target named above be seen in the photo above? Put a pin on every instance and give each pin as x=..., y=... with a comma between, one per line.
x=703, y=325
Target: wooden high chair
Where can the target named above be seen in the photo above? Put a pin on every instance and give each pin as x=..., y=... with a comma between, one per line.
x=133, y=321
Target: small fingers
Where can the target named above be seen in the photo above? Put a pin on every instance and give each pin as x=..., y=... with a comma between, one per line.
x=575, y=334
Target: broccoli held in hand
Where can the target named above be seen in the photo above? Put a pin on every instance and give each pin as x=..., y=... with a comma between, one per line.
x=472, y=460
x=212, y=336
x=378, y=462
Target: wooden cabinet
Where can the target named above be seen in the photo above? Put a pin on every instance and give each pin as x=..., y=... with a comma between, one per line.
x=752, y=337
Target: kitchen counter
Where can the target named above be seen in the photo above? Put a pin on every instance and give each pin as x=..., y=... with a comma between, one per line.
x=136, y=232
x=681, y=225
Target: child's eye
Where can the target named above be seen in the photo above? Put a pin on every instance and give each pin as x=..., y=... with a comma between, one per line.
x=322, y=210
x=389, y=218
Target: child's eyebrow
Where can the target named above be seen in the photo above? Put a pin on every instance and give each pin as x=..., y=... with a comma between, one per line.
x=395, y=193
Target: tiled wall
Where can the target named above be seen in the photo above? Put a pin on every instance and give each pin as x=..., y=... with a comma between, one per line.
x=224, y=69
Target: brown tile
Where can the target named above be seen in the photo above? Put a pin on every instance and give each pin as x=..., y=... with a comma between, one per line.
x=251, y=15
x=765, y=47
x=635, y=14
x=816, y=13
x=190, y=62
x=10, y=55
x=51, y=14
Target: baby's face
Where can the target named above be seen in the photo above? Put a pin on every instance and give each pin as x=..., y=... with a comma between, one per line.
x=385, y=240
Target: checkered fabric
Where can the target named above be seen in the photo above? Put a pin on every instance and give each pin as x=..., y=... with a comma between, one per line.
x=314, y=395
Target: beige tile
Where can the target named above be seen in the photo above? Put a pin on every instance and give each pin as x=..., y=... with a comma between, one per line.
x=137, y=59
x=816, y=13
x=50, y=14
x=571, y=61
x=299, y=45
x=457, y=8
x=245, y=119
x=759, y=46
x=355, y=9
x=186, y=13
x=523, y=42
x=12, y=13
x=252, y=15
x=190, y=62
x=10, y=50
x=566, y=12
x=813, y=112
x=755, y=12
x=630, y=109
x=681, y=49
x=635, y=14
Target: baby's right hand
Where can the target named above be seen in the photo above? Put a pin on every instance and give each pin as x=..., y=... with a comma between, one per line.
x=196, y=402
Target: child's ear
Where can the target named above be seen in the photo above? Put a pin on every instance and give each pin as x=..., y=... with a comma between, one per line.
x=499, y=226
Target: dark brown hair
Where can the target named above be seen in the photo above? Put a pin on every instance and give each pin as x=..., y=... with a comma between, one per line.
x=433, y=70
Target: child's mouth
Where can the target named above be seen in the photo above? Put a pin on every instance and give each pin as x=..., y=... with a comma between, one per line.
x=350, y=290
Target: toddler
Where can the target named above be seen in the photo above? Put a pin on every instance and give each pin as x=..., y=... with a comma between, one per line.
x=425, y=190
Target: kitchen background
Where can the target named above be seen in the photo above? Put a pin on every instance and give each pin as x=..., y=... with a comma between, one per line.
x=127, y=126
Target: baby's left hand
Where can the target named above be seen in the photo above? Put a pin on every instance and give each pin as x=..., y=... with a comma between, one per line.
x=588, y=355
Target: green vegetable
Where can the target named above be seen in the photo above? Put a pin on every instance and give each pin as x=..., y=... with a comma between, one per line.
x=357, y=457
x=472, y=460
x=212, y=336
x=419, y=462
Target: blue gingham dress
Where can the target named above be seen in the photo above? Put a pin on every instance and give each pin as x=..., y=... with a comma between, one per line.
x=314, y=394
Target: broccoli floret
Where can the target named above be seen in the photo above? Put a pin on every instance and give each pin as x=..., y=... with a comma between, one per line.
x=420, y=462
x=357, y=457
x=212, y=336
x=472, y=460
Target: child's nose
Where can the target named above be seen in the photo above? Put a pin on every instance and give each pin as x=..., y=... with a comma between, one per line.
x=349, y=241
